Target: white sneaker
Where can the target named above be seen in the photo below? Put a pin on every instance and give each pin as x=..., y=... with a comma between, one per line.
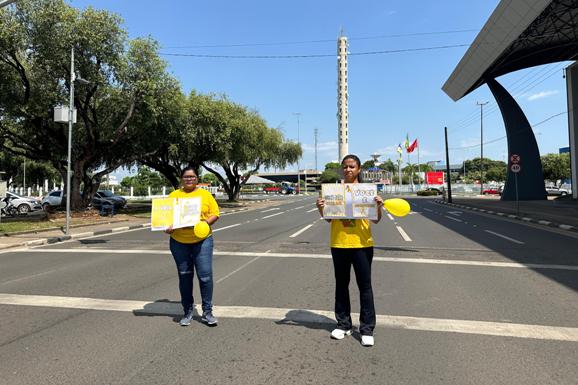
x=367, y=340
x=339, y=334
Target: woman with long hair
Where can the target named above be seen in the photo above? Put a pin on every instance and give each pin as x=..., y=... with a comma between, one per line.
x=352, y=245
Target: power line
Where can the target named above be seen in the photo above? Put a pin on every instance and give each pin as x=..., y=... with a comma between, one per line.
x=313, y=55
x=285, y=43
x=515, y=132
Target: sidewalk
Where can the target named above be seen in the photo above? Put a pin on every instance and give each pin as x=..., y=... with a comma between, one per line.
x=116, y=224
x=560, y=213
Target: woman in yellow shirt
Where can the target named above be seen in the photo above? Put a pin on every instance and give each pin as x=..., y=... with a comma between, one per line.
x=352, y=245
x=192, y=253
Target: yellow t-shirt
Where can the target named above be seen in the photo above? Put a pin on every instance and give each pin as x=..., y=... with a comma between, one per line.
x=350, y=233
x=209, y=207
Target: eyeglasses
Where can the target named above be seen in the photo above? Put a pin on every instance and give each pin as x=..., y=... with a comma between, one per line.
x=189, y=177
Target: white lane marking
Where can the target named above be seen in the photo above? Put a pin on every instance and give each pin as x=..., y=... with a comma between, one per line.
x=453, y=219
x=237, y=270
x=316, y=256
x=426, y=209
x=455, y=212
x=504, y=237
x=298, y=207
x=266, y=211
x=226, y=227
x=273, y=215
x=403, y=234
x=300, y=231
x=315, y=209
x=29, y=277
x=390, y=216
x=286, y=315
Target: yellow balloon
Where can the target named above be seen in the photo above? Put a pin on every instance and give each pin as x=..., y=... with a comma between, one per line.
x=202, y=229
x=397, y=206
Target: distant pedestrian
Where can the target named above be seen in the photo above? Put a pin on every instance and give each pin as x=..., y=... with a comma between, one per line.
x=352, y=244
x=192, y=253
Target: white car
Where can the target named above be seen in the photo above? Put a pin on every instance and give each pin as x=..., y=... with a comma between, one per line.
x=23, y=204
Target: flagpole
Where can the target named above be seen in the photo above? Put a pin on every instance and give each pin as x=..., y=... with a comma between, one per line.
x=418, y=168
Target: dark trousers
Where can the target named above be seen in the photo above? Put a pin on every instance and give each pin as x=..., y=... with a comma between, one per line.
x=361, y=260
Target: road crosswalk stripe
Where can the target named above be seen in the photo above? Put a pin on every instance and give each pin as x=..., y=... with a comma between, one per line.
x=287, y=315
x=429, y=261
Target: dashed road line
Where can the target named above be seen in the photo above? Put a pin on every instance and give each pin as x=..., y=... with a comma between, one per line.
x=273, y=215
x=315, y=209
x=453, y=218
x=403, y=234
x=300, y=231
x=504, y=237
x=226, y=227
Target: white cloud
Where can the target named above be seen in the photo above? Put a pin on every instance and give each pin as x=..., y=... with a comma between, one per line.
x=325, y=147
x=542, y=95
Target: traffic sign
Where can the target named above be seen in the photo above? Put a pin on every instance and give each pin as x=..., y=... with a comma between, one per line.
x=515, y=158
x=515, y=168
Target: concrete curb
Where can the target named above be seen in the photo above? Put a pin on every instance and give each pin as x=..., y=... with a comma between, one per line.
x=52, y=240
x=512, y=216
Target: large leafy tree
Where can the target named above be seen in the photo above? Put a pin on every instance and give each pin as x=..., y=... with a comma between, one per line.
x=115, y=110
x=556, y=166
x=225, y=138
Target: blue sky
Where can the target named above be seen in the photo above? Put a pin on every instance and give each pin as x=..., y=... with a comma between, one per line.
x=390, y=95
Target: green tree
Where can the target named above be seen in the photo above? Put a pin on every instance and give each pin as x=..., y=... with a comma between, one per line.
x=556, y=166
x=332, y=166
x=144, y=179
x=116, y=110
x=329, y=176
x=388, y=165
x=368, y=164
x=210, y=178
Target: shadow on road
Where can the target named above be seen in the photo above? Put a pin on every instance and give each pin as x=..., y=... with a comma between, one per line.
x=307, y=319
x=163, y=308
x=553, y=250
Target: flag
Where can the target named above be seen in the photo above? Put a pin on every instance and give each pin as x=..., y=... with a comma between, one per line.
x=413, y=146
x=399, y=149
x=406, y=143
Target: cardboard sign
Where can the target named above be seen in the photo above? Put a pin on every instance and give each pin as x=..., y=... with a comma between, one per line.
x=349, y=201
x=175, y=212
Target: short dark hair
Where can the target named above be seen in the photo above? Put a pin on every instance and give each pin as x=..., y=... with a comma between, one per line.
x=356, y=159
x=190, y=168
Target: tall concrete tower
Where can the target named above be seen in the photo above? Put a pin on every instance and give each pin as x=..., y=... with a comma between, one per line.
x=342, y=112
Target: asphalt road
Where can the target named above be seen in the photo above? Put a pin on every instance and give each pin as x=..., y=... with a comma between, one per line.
x=461, y=298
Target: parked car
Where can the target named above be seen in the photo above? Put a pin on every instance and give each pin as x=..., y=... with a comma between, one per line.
x=24, y=205
x=495, y=190
x=431, y=191
x=52, y=199
x=106, y=197
x=556, y=191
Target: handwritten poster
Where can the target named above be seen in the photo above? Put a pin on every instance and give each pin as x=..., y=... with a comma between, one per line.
x=349, y=201
x=176, y=212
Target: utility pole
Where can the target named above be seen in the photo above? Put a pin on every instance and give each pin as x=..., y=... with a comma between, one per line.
x=481, y=145
x=298, y=114
x=315, y=131
x=448, y=167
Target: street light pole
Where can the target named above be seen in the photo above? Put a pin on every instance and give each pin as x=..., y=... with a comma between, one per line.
x=70, y=117
x=481, y=146
x=298, y=114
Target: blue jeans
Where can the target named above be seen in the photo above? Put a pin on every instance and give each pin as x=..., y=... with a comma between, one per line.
x=188, y=258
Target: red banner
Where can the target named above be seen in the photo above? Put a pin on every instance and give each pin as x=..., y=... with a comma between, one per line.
x=434, y=177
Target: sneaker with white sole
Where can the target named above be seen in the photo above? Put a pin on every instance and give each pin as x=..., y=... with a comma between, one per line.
x=339, y=334
x=209, y=318
x=187, y=318
x=367, y=340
